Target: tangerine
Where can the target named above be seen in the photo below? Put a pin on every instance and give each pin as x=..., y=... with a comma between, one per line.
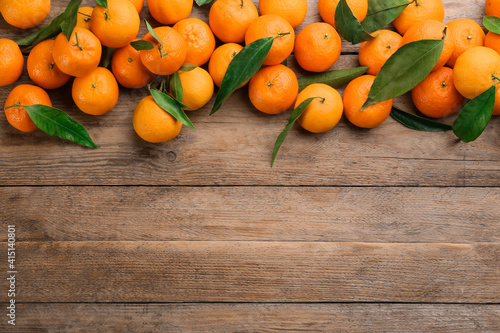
x=374, y=53
x=95, y=93
x=128, y=69
x=42, y=68
x=199, y=39
x=465, y=34
x=419, y=10
x=492, y=40
x=294, y=11
x=197, y=86
x=229, y=19
x=11, y=62
x=221, y=57
x=492, y=7
x=170, y=11
x=83, y=17
x=327, y=9
x=25, y=14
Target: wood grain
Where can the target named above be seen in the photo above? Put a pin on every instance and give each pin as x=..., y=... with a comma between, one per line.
x=257, y=272
x=373, y=318
x=404, y=215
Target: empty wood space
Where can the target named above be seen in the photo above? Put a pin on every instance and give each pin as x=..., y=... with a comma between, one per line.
x=353, y=230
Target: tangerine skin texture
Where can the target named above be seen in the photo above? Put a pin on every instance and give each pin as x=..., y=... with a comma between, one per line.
x=355, y=95
x=229, y=20
x=323, y=113
x=25, y=14
x=42, y=69
x=24, y=94
x=128, y=69
x=169, y=12
x=152, y=123
x=273, y=89
x=219, y=62
x=375, y=53
x=11, y=62
x=413, y=13
x=464, y=34
x=294, y=11
x=199, y=39
x=198, y=88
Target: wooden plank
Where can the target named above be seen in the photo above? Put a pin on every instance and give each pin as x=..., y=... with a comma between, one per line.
x=450, y=318
x=404, y=215
x=257, y=272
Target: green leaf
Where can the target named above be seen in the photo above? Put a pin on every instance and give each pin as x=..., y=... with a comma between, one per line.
x=241, y=69
x=492, y=23
x=418, y=123
x=475, y=116
x=348, y=25
x=187, y=67
x=296, y=113
x=56, y=122
x=142, y=45
x=70, y=18
x=177, y=91
x=107, y=55
x=335, y=78
x=202, y=2
x=381, y=13
x=285, y=62
x=170, y=105
x=103, y=3
x=153, y=33
x=406, y=68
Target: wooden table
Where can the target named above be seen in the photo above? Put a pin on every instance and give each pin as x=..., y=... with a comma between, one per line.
x=376, y=230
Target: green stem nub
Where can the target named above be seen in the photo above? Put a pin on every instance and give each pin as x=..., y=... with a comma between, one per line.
x=77, y=42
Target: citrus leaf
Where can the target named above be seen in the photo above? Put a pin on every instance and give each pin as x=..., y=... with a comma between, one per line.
x=56, y=122
x=418, y=123
x=202, y=2
x=177, y=91
x=170, y=105
x=335, y=78
x=142, y=45
x=241, y=69
x=70, y=18
x=107, y=55
x=475, y=116
x=492, y=23
x=296, y=113
x=348, y=25
x=103, y=3
x=186, y=67
x=381, y=13
x=406, y=68
x=285, y=62
x=153, y=33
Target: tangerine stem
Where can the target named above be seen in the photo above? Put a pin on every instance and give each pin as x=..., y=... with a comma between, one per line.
x=15, y=105
x=84, y=14
x=495, y=77
x=77, y=42
x=283, y=34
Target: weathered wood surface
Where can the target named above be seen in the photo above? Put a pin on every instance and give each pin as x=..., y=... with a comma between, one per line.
x=373, y=318
x=257, y=272
x=390, y=215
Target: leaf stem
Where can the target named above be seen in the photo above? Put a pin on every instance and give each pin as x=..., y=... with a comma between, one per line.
x=495, y=77
x=16, y=105
x=77, y=42
x=84, y=14
x=283, y=34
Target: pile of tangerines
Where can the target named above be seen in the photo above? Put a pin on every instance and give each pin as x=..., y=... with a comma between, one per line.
x=181, y=47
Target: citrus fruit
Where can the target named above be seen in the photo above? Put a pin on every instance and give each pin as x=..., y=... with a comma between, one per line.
x=492, y=7
x=83, y=17
x=152, y=123
x=78, y=56
x=317, y=47
x=197, y=86
x=138, y=4
x=199, y=39
x=492, y=40
x=166, y=59
x=355, y=95
x=128, y=69
x=294, y=11
x=436, y=95
x=271, y=25
x=11, y=62
x=117, y=25
x=327, y=9
x=374, y=53
x=430, y=29
x=323, y=113
x=170, y=11
x=464, y=33
x=419, y=10
x=476, y=70
x=42, y=69
x=24, y=95
x=229, y=19
x=273, y=89
x=25, y=14
x=496, y=109
x=220, y=59
x=95, y=93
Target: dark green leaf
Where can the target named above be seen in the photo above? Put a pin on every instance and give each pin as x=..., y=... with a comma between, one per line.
x=186, y=67
x=285, y=62
x=406, y=68
x=348, y=25
x=70, y=18
x=381, y=13
x=296, y=113
x=335, y=78
x=475, y=116
x=241, y=69
x=153, y=33
x=142, y=45
x=170, y=105
x=202, y=2
x=492, y=23
x=106, y=56
x=177, y=91
x=56, y=122
x=103, y=3
x=418, y=123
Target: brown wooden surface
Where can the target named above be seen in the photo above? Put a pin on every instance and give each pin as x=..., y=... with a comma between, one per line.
x=382, y=230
